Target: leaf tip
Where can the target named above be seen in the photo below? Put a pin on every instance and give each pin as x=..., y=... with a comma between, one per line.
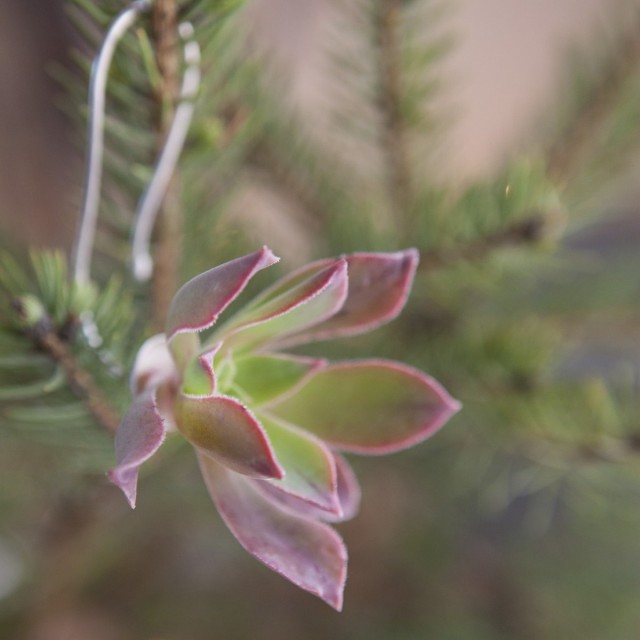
x=267, y=257
x=127, y=481
x=270, y=468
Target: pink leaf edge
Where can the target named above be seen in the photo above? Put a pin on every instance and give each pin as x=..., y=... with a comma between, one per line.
x=198, y=303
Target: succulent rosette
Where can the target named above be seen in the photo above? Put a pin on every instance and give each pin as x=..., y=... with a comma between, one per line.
x=269, y=427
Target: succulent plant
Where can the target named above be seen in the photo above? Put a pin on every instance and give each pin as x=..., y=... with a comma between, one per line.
x=269, y=427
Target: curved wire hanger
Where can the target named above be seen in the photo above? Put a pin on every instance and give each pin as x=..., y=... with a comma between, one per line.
x=151, y=200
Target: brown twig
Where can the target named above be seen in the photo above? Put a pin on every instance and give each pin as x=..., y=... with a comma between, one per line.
x=168, y=236
x=80, y=380
x=393, y=134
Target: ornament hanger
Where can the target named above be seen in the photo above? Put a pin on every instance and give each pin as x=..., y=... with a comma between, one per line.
x=151, y=200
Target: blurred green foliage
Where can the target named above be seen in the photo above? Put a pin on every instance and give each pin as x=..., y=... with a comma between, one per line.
x=521, y=519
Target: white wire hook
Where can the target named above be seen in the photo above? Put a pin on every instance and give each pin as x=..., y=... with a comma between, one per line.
x=151, y=200
x=97, y=94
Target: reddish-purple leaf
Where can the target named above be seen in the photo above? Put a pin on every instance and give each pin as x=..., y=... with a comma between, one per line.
x=224, y=428
x=198, y=303
x=138, y=437
x=379, y=284
x=349, y=492
x=308, y=553
x=307, y=303
x=369, y=406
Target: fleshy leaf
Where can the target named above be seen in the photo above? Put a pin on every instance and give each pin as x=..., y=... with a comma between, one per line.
x=369, y=406
x=184, y=347
x=224, y=428
x=349, y=492
x=198, y=303
x=379, y=284
x=165, y=396
x=310, y=470
x=153, y=365
x=267, y=376
x=348, y=495
x=308, y=553
x=309, y=302
x=138, y=437
x=288, y=283
x=199, y=378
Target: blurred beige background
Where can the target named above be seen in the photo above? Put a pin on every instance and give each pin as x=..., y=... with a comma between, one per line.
x=505, y=67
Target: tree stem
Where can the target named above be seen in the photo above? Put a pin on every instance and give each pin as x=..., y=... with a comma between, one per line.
x=164, y=20
x=393, y=133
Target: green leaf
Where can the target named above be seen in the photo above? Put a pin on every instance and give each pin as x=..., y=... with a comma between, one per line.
x=264, y=377
x=369, y=406
x=310, y=470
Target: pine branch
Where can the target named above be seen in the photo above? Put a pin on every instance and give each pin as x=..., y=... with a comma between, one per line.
x=78, y=378
x=82, y=333
x=567, y=151
x=399, y=188
x=528, y=231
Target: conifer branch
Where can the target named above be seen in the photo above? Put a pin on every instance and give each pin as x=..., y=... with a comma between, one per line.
x=79, y=379
x=565, y=154
x=527, y=231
